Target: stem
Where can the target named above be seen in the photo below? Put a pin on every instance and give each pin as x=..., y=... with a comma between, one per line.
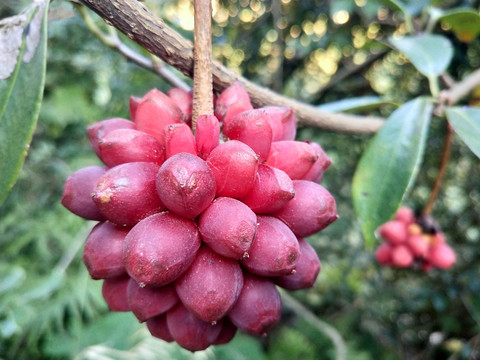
x=323, y=327
x=202, y=61
x=427, y=210
x=434, y=88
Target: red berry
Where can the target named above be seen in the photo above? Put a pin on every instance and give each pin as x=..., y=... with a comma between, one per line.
x=158, y=327
x=183, y=100
x=296, y=158
x=160, y=248
x=418, y=245
x=383, y=254
x=282, y=121
x=179, y=139
x=227, y=334
x=230, y=97
x=134, y=101
x=402, y=256
x=394, y=232
x=207, y=135
x=99, y=130
x=323, y=162
x=442, y=256
x=405, y=215
x=114, y=291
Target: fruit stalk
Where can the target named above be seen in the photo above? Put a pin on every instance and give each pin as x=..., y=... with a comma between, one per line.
x=441, y=171
x=202, y=61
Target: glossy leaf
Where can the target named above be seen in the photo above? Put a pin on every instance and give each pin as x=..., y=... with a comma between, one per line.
x=465, y=23
x=363, y=103
x=466, y=123
x=23, y=40
x=430, y=54
x=389, y=165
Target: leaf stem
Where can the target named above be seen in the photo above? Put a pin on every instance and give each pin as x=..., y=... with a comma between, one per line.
x=441, y=171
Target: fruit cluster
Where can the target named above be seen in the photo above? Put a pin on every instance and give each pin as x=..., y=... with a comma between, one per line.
x=196, y=231
x=413, y=241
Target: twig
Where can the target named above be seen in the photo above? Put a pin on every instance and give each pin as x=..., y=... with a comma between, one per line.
x=133, y=19
x=457, y=91
x=114, y=42
x=323, y=327
x=202, y=61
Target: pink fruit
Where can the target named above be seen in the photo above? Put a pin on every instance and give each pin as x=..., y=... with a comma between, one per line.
x=183, y=100
x=296, y=158
x=258, y=307
x=274, y=250
x=252, y=128
x=402, y=256
x=323, y=162
x=207, y=135
x=405, y=215
x=96, y=132
x=160, y=248
x=134, y=101
x=307, y=268
x=230, y=97
x=383, y=254
x=103, y=251
x=154, y=112
x=210, y=286
x=312, y=209
x=158, y=327
x=114, y=291
x=78, y=190
x=126, y=193
x=233, y=235
x=282, y=121
x=186, y=185
x=179, y=139
x=227, y=334
x=188, y=331
x=394, y=232
x=418, y=245
x=234, y=166
x=442, y=256
x=128, y=145
x=271, y=191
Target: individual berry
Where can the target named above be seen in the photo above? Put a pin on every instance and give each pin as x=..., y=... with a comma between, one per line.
x=271, y=191
x=145, y=303
x=126, y=193
x=160, y=248
x=96, y=132
x=252, y=128
x=402, y=256
x=258, y=307
x=383, y=254
x=234, y=165
x=233, y=235
x=394, y=231
x=210, y=286
x=312, y=209
x=128, y=145
x=323, y=162
x=282, y=121
x=405, y=215
x=207, y=135
x=186, y=185
x=296, y=158
x=154, y=112
x=158, y=327
x=414, y=229
x=274, y=250
x=78, y=189
x=418, y=245
x=183, y=100
x=179, y=139
x=232, y=96
x=227, y=334
x=114, y=291
x=190, y=332
x=307, y=268
x=103, y=251
x=134, y=101
x=442, y=256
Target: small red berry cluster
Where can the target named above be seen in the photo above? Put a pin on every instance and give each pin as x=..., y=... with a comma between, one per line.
x=412, y=241
x=196, y=230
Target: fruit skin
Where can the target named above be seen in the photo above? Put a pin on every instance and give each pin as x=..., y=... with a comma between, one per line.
x=227, y=334
x=383, y=254
x=207, y=135
x=394, y=231
x=258, y=307
x=102, y=254
x=307, y=268
x=158, y=327
x=234, y=165
x=275, y=249
x=183, y=100
x=296, y=158
x=126, y=193
x=179, y=138
x=418, y=245
x=405, y=215
x=312, y=209
x=442, y=256
x=146, y=303
x=189, y=332
x=185, y=184
x=402, y=256
x=114, y=291
x=210, y=286
x=160, y=248
x=283, y=122
x=78, y=189
x=323, y=162
x=233, y=97
x=97, y=131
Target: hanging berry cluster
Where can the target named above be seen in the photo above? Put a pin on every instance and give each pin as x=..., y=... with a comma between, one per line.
x=196, y=231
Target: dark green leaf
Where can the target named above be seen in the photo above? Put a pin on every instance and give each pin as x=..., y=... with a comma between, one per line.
x=465, y=23
x=23, y=40
x=364, y=103
x=466, y=123
x=430, y=54
x=389, y=165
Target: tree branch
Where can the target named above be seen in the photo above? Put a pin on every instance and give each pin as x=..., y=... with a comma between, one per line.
x=133, y=19
x=458, y=90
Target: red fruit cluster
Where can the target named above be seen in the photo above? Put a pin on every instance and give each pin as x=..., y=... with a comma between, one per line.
x=196, y=231
x=412, y=241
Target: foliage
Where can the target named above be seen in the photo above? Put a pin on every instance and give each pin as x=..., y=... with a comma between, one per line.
x=339, y=54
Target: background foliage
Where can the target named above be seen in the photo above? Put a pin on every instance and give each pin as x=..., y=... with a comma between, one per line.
x=318, y=51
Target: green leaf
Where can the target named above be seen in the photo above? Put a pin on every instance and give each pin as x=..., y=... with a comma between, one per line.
x=465, y=23
x=430, y=54
x=389, y=165
x=23, y=40
x=363, y=103
x=466, y=123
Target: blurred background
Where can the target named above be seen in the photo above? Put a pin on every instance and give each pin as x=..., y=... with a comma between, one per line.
x=315, y=51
